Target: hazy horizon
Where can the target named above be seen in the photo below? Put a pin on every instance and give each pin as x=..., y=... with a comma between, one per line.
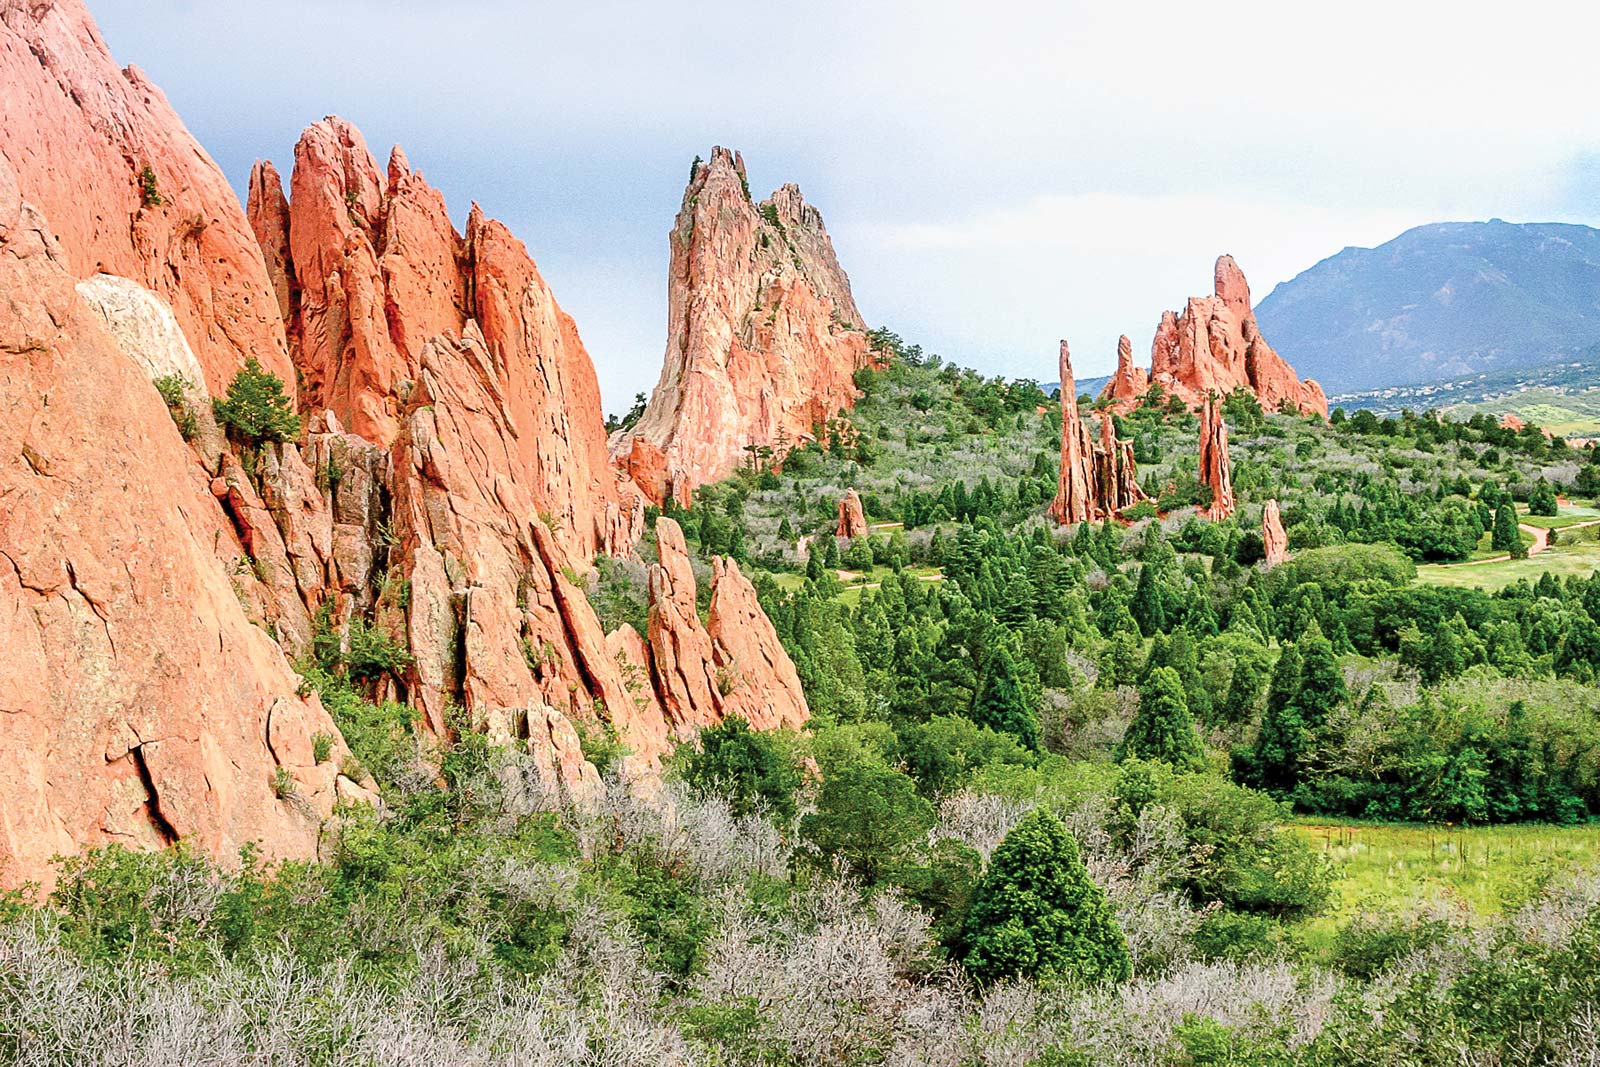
x=1067, y=171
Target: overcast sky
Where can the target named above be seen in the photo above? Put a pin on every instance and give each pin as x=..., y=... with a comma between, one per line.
x=994, y=176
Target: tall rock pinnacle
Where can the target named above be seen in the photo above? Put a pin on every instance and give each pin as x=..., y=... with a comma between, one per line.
x=1216, y=470
x=1273, y=539
x=763, y=336
x=1214, y=345
x=1075, y=495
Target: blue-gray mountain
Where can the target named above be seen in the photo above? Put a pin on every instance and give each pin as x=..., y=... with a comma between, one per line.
x=1440, y=301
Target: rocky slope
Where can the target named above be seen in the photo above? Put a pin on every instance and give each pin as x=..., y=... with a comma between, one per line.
x=449, y=488
x=763, y=336
x=1440, y=301
x=127, y=190
x=1214, y=345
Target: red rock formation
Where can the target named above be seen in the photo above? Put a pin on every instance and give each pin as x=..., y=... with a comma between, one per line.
x=735, y=665
x=763, y=336
x=380, y=274
x=1075, y=495
x=757, y=678
x=1116, y=475
x=80, y=136
x=148, y=707
x=1129, y=383
x=852, y=519
x=1272, y=535
x=1215, y=468
x=1214, y=345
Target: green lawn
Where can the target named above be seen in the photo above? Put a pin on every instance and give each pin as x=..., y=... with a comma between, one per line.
x=1568, y=515
x=789, y=581
x=1561, y=559
x=1476, y=872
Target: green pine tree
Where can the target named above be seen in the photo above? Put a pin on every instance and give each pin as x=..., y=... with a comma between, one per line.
x=1036, y=913
x=1149, y=605
x=1506, y=537
x=1162, y=728
x=256, y=409
x=1001, y=701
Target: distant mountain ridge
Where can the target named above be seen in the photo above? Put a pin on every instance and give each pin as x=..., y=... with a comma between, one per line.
x=1440, y=301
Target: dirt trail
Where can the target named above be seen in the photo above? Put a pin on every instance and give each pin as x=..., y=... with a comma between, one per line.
x=1541, y=541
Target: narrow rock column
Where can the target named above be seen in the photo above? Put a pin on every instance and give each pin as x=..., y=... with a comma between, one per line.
x=1272, y=535
x=1215, y=468
x=852, y=519
x=1075, y=498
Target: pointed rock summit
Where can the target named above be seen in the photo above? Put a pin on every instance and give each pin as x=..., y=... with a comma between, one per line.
x=1214, y=345
x=1216, y=470
x=763, y=336
x=852, y=519
x=1274, y=540
x=1129, y=383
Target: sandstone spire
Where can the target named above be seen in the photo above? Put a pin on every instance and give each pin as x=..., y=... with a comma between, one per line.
x=1273, y=538
x=852, y=519
x=1075, y=494
x=1214, y=345
x=1129, y=383
x=763, y=336
x=1215, y=467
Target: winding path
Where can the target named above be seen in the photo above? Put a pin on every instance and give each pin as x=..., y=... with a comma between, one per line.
x=1541, y=541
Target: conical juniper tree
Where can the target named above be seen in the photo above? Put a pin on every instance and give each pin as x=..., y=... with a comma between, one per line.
x=1036, y=913
x=1162, y=728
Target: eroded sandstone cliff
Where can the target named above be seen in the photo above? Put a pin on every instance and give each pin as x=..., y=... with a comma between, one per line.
x=763, y=336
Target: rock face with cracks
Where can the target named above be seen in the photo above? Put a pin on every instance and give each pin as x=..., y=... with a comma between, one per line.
x=763, y=336
x=139, y=702
x=1214, y=345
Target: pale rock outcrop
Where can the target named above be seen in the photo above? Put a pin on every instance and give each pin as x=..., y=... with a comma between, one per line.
x=138, y=703
x=852, y=519
x=1216, y=470
x=1075, y=493
x=127, y=190
x=763, y=336
x=147, y=332
x=1214, y=345
x=1274, y=540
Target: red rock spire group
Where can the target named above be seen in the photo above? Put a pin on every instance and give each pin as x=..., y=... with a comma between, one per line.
x=1095, y=481
x=1214, y=345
